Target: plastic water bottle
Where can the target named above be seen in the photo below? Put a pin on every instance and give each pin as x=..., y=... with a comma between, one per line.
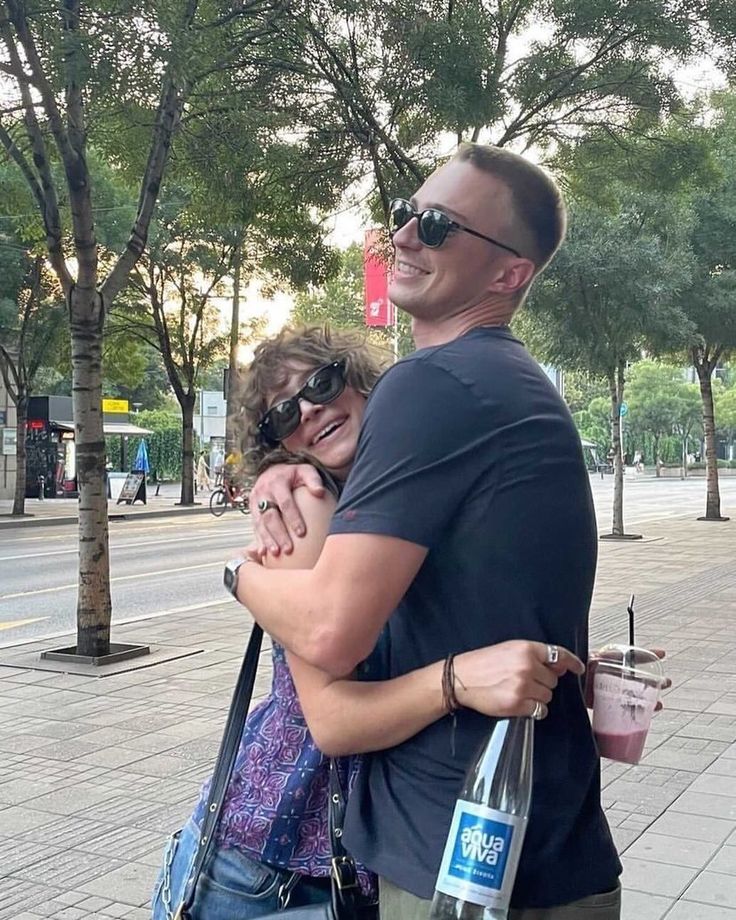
x=483, y=846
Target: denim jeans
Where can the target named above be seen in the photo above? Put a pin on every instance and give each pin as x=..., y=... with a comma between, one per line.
x=231, y=884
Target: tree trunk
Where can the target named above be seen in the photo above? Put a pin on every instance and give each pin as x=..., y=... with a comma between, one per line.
x=684, y=458
x=712, y=494
x=21, y=410
x=187, y=454
x=655, y=458
x=94, y=608
x=616, y=386
x=233, y=377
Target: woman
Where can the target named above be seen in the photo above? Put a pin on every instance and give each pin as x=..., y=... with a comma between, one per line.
x=304, y=396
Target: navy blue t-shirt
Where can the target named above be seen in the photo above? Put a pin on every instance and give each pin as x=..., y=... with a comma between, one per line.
x=468, y=450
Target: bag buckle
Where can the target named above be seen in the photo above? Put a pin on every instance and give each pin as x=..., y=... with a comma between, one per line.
x=285, y=891
x=344, y=873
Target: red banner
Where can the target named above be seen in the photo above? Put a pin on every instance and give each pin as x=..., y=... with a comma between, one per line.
x=379, y=311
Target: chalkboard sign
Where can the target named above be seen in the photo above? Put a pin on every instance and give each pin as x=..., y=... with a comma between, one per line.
x=134, y=488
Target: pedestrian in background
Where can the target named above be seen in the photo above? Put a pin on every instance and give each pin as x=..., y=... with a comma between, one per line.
x=203, y=474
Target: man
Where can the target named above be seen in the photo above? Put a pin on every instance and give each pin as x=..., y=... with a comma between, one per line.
x=467, y=520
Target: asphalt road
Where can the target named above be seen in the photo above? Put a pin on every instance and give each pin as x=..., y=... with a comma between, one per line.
x=157, y=566
x=160, y=566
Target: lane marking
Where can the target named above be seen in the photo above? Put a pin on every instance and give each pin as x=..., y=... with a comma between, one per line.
x=115, y=622
x=53, y=534
x=184, y=568
x=114, y=546
x=14, y=624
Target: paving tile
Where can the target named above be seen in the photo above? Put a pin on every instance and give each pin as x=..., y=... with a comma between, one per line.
x=17, y=791
x=714, y=784
x=67, y=868
x=655, y=877
x=703, y=803
x=689, y=910
x=19, y=896
x=21, y=743
x=724, y=861
x=694, y=754
x=20, y=818
x=714, y=727
x=132, y=884
x=636, y=905
x=713, y=888
x=110, y=757
x=696, y=827
x=723, y=766
x=623, y=837
x=69, y=801
x=678, y=851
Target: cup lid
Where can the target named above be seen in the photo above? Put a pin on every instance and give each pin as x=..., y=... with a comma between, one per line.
x=633, y=661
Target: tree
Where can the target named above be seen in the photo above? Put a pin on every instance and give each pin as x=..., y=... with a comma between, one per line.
x=594, y=423
x=178, y=280
x=653, y=401
x=688, y=418
x=608, y=295
x=81, y=75
x=394, y=79
x=709, y=301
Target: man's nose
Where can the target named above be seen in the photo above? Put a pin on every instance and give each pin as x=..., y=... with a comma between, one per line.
x=407, y=236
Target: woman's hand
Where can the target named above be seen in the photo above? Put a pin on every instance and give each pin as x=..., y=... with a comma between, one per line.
x=510, y=678
x=274, y=527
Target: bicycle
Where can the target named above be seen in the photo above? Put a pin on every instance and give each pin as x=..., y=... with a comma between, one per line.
x=227, y=496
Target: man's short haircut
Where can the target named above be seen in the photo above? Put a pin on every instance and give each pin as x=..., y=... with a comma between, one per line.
x=300, y=346
x=537, y=201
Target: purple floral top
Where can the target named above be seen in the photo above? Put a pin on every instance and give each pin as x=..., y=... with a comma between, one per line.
x=275, y=808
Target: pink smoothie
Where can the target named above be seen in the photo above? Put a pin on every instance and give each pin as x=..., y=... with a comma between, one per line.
x=622, y=710
x=624, y=748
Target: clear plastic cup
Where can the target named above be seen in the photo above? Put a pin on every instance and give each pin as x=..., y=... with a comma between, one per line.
x=626, y=685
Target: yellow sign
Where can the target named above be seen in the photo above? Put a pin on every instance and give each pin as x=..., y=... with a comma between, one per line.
x=115, y=405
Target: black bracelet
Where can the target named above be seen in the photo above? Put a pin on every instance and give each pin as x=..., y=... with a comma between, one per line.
x=449, y=697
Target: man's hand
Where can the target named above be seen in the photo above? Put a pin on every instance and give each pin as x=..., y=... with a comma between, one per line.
x=275, y=526
x=510, y=678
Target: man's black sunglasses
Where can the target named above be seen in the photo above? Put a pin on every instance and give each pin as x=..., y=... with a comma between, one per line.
x=322, y=387
x=432, y=225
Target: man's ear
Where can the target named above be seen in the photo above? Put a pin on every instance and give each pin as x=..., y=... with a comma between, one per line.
x=517, y=274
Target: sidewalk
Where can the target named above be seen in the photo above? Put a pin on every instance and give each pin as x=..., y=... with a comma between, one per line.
x=95, y=772
x=66, y=510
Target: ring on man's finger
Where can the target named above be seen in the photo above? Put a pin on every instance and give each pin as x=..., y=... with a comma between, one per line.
x=553, y=654
x=264, y=504
x=538, y=711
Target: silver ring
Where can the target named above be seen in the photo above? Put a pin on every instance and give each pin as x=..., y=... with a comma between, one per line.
x=538, y=710
x=264, y=504
x=553, y=654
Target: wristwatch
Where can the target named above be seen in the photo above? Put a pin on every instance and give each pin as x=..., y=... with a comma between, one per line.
x=230, y=575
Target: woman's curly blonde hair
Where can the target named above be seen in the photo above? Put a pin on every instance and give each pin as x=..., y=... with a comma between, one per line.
x=300, y=346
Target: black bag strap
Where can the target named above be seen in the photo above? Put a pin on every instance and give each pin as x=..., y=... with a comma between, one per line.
x=346, y=893
x=225, y=762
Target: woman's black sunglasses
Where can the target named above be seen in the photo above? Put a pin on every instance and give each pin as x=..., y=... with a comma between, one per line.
x=322, y=387
x=432, y=225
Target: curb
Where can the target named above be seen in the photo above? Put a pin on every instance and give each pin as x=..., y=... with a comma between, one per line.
x=21, y=523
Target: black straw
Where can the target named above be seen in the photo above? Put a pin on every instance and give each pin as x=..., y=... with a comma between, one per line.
x=630, y=610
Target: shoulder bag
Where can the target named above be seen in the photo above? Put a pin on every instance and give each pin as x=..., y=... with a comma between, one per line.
x=347, y=902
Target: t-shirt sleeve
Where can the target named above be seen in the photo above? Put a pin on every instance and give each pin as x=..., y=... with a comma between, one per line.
x=425, y=441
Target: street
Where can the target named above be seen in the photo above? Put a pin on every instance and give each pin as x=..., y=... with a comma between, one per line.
x=170, y=565
x=157, y=566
